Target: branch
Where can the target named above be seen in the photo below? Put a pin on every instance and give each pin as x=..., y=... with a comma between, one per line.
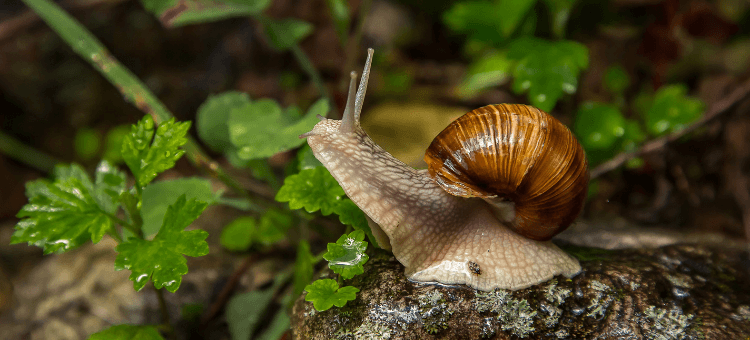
x=714, y=111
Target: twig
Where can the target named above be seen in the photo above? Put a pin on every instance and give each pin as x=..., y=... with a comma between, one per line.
x=25, y=154
x=716, y=109
x=228, y=289
x=134, y=91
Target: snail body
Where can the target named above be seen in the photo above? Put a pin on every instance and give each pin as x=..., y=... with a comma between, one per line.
x=483, y=211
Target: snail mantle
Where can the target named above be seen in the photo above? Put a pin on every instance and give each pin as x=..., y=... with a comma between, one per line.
x=502, y=180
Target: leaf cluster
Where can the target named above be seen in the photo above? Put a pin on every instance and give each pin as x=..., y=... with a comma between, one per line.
x=65, y=212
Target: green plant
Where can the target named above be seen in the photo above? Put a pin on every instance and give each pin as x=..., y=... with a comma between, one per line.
x=71, y=209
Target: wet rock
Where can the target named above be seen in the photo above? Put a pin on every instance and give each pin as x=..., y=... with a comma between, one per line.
x=671, y=292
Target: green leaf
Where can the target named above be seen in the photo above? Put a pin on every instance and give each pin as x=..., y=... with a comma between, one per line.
x=326, y=293
x=546, y=69
x=347, y=256
x=560, y=10
x=303, y=267
x=174, y=13
x=146, y=158
x=480, y=20
x=312, y=189
x=340, y=14
x=161, y=259
x=273, y=226
x=513, y=13
x=307, y=159
x=113, y=143
x=671, y=110
x=245, y=311
x=285, y=33
x=616, y=79
x=261, y=129
x=213, y=115
x=633, y=136
x=238, y=235
x=127, y=332
x=157, y=196
x=86, y=143
x=243, y=231
x=599, y=126
x=350, y=214
x=486, y=72
x=278, y=326
x=63, y=214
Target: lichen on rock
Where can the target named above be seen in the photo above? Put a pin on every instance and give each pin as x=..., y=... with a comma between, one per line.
x=673, y=292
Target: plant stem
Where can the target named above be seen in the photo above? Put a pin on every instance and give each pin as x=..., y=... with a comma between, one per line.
x=164, y=313
x=25, y=154
x=312, y=72
x=134, y=91
x=132, y=228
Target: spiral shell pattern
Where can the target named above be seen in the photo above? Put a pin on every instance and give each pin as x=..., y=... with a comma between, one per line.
x=518, y=153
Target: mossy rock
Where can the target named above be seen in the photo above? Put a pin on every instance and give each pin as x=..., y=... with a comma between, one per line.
x=672, y=292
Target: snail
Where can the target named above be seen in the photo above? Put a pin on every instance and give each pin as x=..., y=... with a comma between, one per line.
x=501, y=181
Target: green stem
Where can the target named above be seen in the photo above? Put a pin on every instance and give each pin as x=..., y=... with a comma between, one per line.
x=312, y=72
x=164, y=313
x=115, y=235
x=135, y=230
x=135, y=92
x=25, y=154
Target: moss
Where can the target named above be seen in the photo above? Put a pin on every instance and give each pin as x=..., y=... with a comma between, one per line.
x=587, y=253
x=434, y=312
x=667, y=324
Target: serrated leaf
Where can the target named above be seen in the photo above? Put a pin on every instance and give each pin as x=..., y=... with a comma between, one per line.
x=347, y=256
x=161, y=259
x=486, y=72
x=127, y=332
x=546, y=69
x=326, y=293
x=285, y=33
x=350, y=214
x=213, y=115
x=157, y=196
x=312, y=189
x=245, y=311
x=303, y=267
x=672, y=110
x=174, y=13
x=599, y=126
x=261, y=129
x=63, y=214
x=147, y=158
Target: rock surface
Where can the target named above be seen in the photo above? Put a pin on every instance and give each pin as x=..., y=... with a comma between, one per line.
x=671, y=292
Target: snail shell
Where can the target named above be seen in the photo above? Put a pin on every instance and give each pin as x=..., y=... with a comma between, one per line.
x=516, y=153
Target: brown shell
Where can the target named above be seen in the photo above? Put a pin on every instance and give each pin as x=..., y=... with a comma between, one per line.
x=517, y=153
